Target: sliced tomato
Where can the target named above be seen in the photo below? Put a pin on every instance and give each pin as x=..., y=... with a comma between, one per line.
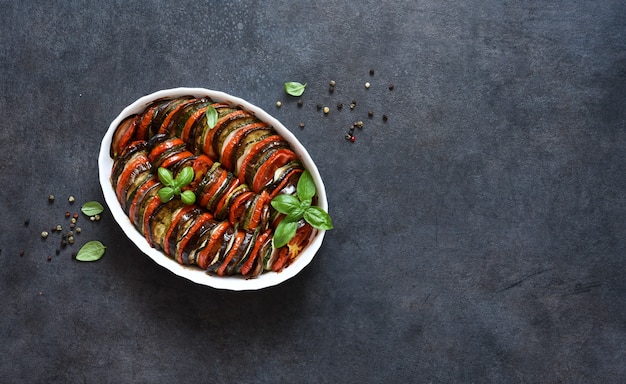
x=142, y=131
x=169, y=240
x=153, y=203
x=131, y=171
x=191, y=236
x=164, y=146
x=265, y=172
x=206, y=257
x=172, y=116
x=162, y=113
x=174, y=158
x=139, y=196
x=134, y=149
x=287, y=182
x=239, y=238
x=217, y=179
x=221, y=203
x=229, y=149
x=238, y=206
x=260, y=241
x=123, y=135
x=248, y=159
x=255, y=210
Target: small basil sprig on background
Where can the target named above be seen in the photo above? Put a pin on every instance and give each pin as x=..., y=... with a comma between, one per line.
x=91, y=251
x=298, y=207
x=92, y=208
x=294, y=88
x=211, y=116
x=173, y=186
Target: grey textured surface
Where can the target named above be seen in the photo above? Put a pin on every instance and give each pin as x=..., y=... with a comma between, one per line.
x=479, y=232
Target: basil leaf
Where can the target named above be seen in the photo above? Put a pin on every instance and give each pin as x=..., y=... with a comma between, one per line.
x=306, y=187
x=211, y=116
x=297, y=213
x=318, y=218
x=184, y=177
x=166, y=177
x=294, y=88
x=188, y=197
x=91, y=251
x=166, y=194
x=284, y=203
x=92, y=208
x=285, y=231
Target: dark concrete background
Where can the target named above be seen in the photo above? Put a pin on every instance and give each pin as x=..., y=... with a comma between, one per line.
x=479, y=232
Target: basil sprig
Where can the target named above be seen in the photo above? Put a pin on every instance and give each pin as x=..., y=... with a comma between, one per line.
x=92, y=208
x=173, y=186
x=294, y=88
x=91, y=251
x=298, y=207
x=211, y=116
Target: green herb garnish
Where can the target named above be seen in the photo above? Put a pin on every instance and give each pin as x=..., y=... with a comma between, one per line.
x=211, y=116
x=173, y=186
x=294, y=88
x=91, y=251
x=298, y=207
x=92, y=208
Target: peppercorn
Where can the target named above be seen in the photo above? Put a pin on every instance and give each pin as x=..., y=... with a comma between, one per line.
x=59, y=228
x=352, y=104
x=385, y=117
x=51, y=198
x=299, y=102
x=391, y=86
x=71, y=199
x=75, y=216
x=302, y=125
x=339, y=106
x=49, y=258
x=44, y=234
x=67, y=214
x=78, y=230
x=73, y=220
x=26, y=222
x=331, y=89
x=70, y=239
x=57, y=251
x=332, y=83
x=97, y=217
x=367, y=85
x=352, y=139
x=326, y=110
x=370, y=113
x=63, y=243
x=319, y=107
x=92, y=218
x=278, y=104
x=348, y=136
x=21, y=253
x=371, y=72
